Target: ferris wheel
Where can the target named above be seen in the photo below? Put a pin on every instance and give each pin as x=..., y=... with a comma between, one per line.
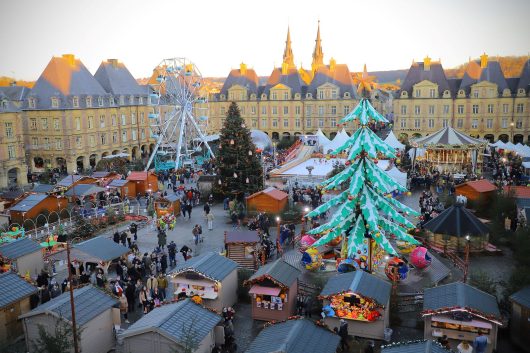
x=179, y=116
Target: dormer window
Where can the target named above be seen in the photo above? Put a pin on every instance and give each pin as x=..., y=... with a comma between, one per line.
x=521, y=91
x=309, y=95
x=404, y=94
x=334, y=94
x=264, y=96
x=100, y=101
x=122, y=100
x=140, y=100
x=111, y=101
x=253, y=96
x=475, y=93
x=320, y=94
x=461, y=93
x=89, y=102
x=446, y=93
x=347, y=95
x=417, y=93
x=4, y=104
x=297, y=96
x=506, y=92
x=131, y=100
x=55, y=102
x=31, y=102
x=75, y=102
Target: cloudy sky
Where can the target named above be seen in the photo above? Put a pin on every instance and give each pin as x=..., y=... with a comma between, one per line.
x=218, y=35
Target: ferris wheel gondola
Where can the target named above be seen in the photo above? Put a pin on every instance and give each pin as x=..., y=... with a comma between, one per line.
x=179, y=114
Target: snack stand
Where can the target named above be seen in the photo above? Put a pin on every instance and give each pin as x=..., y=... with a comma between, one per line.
x=362, y=299
x=273, y=289
x=241, y=246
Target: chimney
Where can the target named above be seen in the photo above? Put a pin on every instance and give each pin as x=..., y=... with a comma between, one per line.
x=113, y=62
x=243, y=68
x=484, y=61
x=70, y=59
x=427, y=63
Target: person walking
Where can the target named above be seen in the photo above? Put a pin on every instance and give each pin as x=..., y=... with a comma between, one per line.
x=116, y=237
x=464, y=347
x=134, y=230
x=124, y=306
x=129, y=237
x=480, y=344
x=151, y=284
x=130, y=292
x=343, y=333
x=209, y=218
x=123, y=238
x=189, y=207
x=184, y=251
x=162, y=285
x=144, y=297
x=162, y=239
x=172, y=250
x=196, y=234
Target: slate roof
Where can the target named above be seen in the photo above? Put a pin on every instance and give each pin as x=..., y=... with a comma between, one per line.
x=118, y=182
x=278, y=270
x=28, y=202
x=67, y=181
x=524, y=78
x=14, y=288
x=43, y=188
x=491, y=73
x=15, y=93
x=294, y=336
x=417, y=74
x=272, y=192
x=84, y=190
x=171, y=321
x=171, y=197
x=415, y=347
x=210, y=264
x=19, y=248
x=245, y=236
x=248, y=80
x=461, y=295
x=292, y=79
x=12, y=195
x=115, y=78
x=89, y=303
x=359, y=282
x=102, y=248
x=458, y=221
x=522, y=297
x=340, y=77
x=65, y=77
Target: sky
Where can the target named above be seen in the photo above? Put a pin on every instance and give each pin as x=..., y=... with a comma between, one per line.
x=219, y=35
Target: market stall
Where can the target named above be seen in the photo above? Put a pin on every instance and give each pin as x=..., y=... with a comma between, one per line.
x=362, y=299
x=23, y=256
x=242, y=246
x=273, y=290
x=270, y=200
x=126, y=188
x=449, y=150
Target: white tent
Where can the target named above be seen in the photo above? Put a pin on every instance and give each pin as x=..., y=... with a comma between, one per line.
x=339, y=140
x=322, y=139
x=392, y=140
x=398, y=176
x=420, y=152
x=510, y=146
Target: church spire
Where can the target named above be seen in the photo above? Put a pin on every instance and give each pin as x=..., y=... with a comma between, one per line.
x=318, y=54
x=288, y=57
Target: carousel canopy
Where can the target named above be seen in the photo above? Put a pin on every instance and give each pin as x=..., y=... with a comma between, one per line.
x=457, y=221
x=392, y=140
x=447, y=138
x=322, y=139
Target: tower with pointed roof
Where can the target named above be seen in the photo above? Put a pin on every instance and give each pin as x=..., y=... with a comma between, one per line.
x=288, y=57
x=318, y=54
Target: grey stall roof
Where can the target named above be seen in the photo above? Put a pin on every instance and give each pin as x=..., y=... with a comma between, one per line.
x=247, y=236
x=89, y=303
x=280, y=271
x=460, y=295
x=14, y=288
x=172, y=320
x=19, y=248
x=102, y=248
x=359, y=282
x=210, y=264
x=118, y=183
x=522, y=297
x=415, y=347
x=171, y=197
x=43, y=188
x=70, y=179
x=28, y=202
x=295, y=336
x=84, y=190
x=457, y=221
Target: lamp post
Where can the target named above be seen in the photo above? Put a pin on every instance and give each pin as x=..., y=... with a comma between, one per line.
x=306, y=210
x=274, y=152
x=278, y=246
x=466, y=263
x=72, y=303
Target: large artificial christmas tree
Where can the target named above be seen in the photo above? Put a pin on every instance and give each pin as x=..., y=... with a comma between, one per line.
x=240, y=169
x=366, y=209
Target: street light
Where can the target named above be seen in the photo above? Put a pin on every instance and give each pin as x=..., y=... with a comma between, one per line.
x=278, y=246
x=466, y=264
x=306, y=210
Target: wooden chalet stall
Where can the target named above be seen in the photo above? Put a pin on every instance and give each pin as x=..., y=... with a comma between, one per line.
x=72, y=180
x=126, y=188
x=520, y=319
x=105, y=178
x=24, y=255
x=475, y=190
x=34, y=204
x=242, y=246
x=460, y=311
x=145, y=181
x=273, y=290
x=362, y=299
x=174, y=203
x=270, y=200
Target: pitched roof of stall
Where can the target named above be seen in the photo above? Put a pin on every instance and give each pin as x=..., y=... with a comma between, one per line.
x=522, y=297
x=417, y=73
x=272, y=192
x=248, y=80
x=14, y=288
x=415, y=347
x=64, y=77
x=491, y=73
x=340, y=76
x=19, y=248
x=359, y=282
x=210, y=264
x=115, y=78
x=457, y=221
x=101, y=248
x=292, y=80
x=28, y=202
x=278, y=270
x=483, y=185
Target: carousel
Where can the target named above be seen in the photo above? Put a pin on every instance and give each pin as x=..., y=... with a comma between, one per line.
x=449, y=150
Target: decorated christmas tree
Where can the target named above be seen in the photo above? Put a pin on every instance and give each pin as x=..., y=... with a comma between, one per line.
x=365, y=208
x=240, y=169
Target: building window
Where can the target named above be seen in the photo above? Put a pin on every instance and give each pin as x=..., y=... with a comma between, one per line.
x=31, y=103
x=274, y=95
x=113, y=119
x=333, y=122
x=140, y=100
x=122, y=100
x=320, y=94
x=519, y=124
x=403, y=123
x=505, y=108
x=297, y=110
x=334, y=94
x=55, y=102
x=285, y=95
x=446, y=109
x=111, y=101
x=297, y=123
x=56, y=125
x=309, y=110
x=475, y=93
x=403, y=110
x=79, y=141
x=103, y=139
x=320, y=110
x=417, y=93
x=123, y=119
x=460, y=109
x=264, y=110
x=142, y=118
x=431, y=123
x=460, y=123
x=285, y=110
x=285, y=122
x=320, y=122
x=134, y=136
x=346, y=109
x=124, y=135
x=417, y=123
x=274, y=110
x=475, y=108
x=44, y=123
x=274, y=122
x=333, y=110
x=34, y=142
x=142, y=134
x=489, y=123
x=474, y=123
x=255, y=123
x=308, y=122
x=77, y=122
x=253, y=110
x=58, y=144
x=432, y=93
x=431, y=109
x=9, y=130
x=445, y=122
x=33, y=123
x=75, y=102
x=131, y=100
x=263, y=123
x=90, y=122
x=519, y=108
x=102, y=121
x=11, y=152
x=417, y=110
x=504, y=123
x=490, y=108
x=115, y=137
x=89, y=102
x=133, y=118
x=100, y=101
x=92, y=140
x=46, y=143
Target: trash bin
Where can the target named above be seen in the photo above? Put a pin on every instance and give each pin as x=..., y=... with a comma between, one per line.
x=388, y=334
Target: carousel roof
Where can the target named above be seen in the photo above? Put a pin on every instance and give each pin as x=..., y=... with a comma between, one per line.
x=448, y=137
x=458, y=221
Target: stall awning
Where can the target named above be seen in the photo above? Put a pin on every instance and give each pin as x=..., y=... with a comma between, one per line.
x=473, y=323
x=257, y=289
